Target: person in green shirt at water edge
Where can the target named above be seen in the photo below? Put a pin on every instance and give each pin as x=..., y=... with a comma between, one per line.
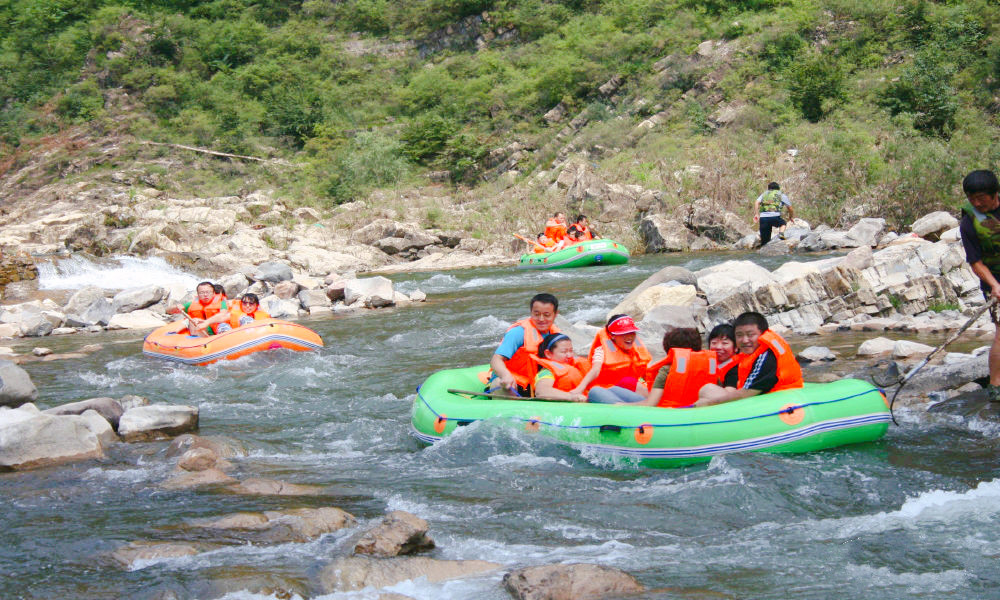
x=980, y=229
x=767, y=212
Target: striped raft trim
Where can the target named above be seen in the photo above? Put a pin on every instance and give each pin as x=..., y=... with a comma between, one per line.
x=233, y=349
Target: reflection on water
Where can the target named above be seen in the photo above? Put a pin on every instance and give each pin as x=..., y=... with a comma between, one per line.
x=912, y=515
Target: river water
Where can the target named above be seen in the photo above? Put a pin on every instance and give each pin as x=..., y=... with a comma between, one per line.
x=915, y=514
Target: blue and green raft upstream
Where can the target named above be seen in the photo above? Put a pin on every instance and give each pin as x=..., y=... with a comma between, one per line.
x=584, y=254
x=815, y=417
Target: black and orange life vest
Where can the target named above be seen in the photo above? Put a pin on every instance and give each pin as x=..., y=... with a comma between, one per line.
x=617, y=363
x=789, y=371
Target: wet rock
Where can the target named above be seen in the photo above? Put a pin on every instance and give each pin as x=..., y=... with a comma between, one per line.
x=195, y=479
x=663, y=234
x=313, y=298
x=16, y=387
x=246, y=581
x=399, y=533
x=273, y=272
x=271, y=487
x=100, y=427
x=135, y=552
x=157, y=422
x=29, y=439
x=359, y=572
x=35, y=325
x=198, y=459
x=944, y=376
x=286, y=290
x=108, y=408
x=816, y=354
x=280, y=309
x=375, y=292
x=222, y=447
x=140, y=319
x=271, y=527
x=570, y=582
x=133, y=299
x=130, y=401
x=875, y=346
x=906, y=349
x=41, y=351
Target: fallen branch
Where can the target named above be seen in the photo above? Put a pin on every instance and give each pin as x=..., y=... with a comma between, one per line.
x=223, y=154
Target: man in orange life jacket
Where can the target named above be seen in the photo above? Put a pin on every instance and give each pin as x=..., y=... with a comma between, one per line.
x=583, y=226
x=206, y=305
x=511, y=364
x=768, y=365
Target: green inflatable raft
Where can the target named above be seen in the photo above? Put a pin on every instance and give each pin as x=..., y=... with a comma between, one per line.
x=816, y=417
x=584, y=254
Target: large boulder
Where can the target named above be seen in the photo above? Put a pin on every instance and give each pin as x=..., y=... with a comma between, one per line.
x=664, y=275
x=280, y=309
x=662, y=234
x=109, y=408
x=132, y=299
x=234, y=284
x=286, y=526
x=375, y=292
x=663, y=294
x=285, y=289
x=719, y=281
x=709, y=220
x=656, y=321
x=273, y=272
x=156, y=422
x=310, y=298
x=16, y=387
x=140, y=319
x=867, y=231
x=29, y=439
x=82, y=299
x=359, y=572
x=932, y=225
x=34, y=324
x=570, y=582
x=399, y=533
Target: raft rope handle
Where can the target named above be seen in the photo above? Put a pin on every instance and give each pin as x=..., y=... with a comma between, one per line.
x=785, y=410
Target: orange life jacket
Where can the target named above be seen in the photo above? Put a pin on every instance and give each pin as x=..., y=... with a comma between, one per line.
x=585, y=235
x=521, y=365
x=197, y=310
x=723, y=368
x=555, y=230
x=618, y=364
x=567, y=377
x=789, y=371
x=236, y=313
x=689, y=371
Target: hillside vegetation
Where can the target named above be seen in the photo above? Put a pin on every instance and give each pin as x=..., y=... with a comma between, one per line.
x=859, y=107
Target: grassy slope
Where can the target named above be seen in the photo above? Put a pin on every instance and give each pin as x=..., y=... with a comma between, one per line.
x=888, y=104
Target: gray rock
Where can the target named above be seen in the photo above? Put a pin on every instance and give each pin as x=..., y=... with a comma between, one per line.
x=776, y=247
x=359, y=572
x=108, y=408
x=418, y=296
x=155, y=422
x=234, y=284
x=313, y=298
x=398, y=533
x=879, y=345
x=128, y=555
x=867, y=231
x=273, y=272
x=81, y=300
x=35, y=325
x=816, y=354
x=16, y=387
x=662, y=234
x=906, y=349
x=375, y=292
x=140, y=319
x=100, y=427
x=570, y=582
x=281, y=527
x=930, y=226
x=280, y=309
x=286, y=290
x=860, y=258
x=29, y=439
x=133, y=299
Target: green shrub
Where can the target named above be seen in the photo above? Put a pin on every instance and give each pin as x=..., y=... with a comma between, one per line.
x=816, y=84
x=81, y=102
x=924, y=90
x=425, y=137
x=780, y=51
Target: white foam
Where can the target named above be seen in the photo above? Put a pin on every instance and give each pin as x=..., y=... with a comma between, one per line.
x=524, y=459
x=116, y=273
x=950, y=506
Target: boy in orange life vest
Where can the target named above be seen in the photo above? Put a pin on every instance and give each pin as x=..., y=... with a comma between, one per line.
x=684, y=371
x=618, y=360
x=559, y=370
x=511, y=364
x=206, y=305
x=768, y=365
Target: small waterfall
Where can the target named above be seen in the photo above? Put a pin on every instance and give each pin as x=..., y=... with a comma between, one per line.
x=114, y=273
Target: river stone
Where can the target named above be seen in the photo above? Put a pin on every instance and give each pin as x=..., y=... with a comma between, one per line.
x=280, y=309
x=273, y=527
x=722, y=280
x=310, y=299
x=931, y=225
x=130, y=401
x=874, y=346
x=100, y=427
x=63, y=330
x=417, y=296
x=82, y=299
x=156, y=422
x=271, y=487
x=776, y=247
x=234, y=284
x=359, y=572
x=133, y=299
x=35, y=325
x=286, y=290
x=128, y=555
x=570, y=582
x=867, y=231
x=16, y=387
x=375, y=292
x=109, y=408
x=906, y=349
x=223, y=447
x=29, y=439
x=273, y=272
x=399, y=533
x=140, y=319
x=662, y=234
x=41, y=351
x=193, y=479
x=816, y=354
x=198, y=459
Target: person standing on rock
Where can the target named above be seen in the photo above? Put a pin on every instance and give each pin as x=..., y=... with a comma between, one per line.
x=767, y=212
x=980, y=230
x=511, y=367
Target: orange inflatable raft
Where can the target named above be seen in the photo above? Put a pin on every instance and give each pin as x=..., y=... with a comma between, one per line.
x=174, y=342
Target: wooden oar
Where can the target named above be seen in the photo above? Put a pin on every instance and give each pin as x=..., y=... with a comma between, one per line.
x=502, y=396
x=527, y=241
